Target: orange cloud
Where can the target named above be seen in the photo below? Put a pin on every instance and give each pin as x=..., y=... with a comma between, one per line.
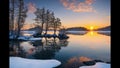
x=89, y=2
x=31, y=7
x=76, y=6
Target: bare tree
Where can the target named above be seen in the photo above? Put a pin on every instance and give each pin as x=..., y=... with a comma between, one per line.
x=12, y=16
x=47, y=21
x=46, y=17
x=54, y=23
x=40, y=17
x=21, y=16
x=57, y=24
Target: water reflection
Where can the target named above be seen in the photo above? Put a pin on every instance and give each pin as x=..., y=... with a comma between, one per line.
x=45, y=49
x=76, y=32
x=107, y=33
x=49, y=48
x=71, y=52
x=15, y=49
x=76, y=62
x=91, y=40
x=91, y=44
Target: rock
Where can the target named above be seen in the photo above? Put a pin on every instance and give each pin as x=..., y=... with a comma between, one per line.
x=88, y=63
x=98, y=65
x=108, y=62
x=98, y=60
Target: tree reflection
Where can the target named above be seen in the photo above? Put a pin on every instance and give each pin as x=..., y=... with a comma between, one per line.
x=15, y=49
x=104, y=33
x=49, y=48
x=45, y=49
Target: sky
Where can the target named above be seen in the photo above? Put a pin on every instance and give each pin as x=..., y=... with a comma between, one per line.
x=74, y=13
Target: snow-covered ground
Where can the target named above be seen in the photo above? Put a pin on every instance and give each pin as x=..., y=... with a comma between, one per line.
x=98, y=65
x=76, y=31
x=35, y=39
x=26, y=38
x=26, y=35
x=28, y=32
x=17, y=62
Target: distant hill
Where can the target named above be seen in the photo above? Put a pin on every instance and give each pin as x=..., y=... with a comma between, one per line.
x=76, y=29
x=107, y=28
x=35, y=28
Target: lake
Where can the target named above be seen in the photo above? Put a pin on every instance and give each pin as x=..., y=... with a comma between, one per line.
x=81, y=46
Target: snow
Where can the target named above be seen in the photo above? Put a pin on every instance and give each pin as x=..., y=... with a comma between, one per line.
x=35, y=39
x=29, y=32
x=28, y=38
x=98, y=65
x=17, y=62
x=23, y=37
x=77, y=32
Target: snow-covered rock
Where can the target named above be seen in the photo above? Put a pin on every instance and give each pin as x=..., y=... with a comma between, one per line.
x=98, y=65
x=17, y=62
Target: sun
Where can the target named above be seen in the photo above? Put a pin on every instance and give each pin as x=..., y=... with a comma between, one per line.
x=91, y=28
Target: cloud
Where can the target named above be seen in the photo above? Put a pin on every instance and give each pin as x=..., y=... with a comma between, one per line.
x=76, y=6
x=31, y=7
x=89, y=2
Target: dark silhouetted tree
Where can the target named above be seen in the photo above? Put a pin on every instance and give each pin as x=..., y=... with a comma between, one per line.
x=21, y=16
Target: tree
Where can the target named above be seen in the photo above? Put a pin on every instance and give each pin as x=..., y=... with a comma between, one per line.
x=57, y=24
x=47, y=20
x=12, y=16
x=46, y=17
x=21, y=16
x=40, y=17
x=54, y=23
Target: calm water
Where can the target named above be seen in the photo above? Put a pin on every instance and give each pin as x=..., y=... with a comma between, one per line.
x=81, y=46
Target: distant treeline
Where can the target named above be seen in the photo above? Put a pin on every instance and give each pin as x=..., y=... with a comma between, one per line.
x=107, y=28
x=76, y=29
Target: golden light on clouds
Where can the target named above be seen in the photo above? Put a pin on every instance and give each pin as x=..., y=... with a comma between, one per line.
x=76, y=6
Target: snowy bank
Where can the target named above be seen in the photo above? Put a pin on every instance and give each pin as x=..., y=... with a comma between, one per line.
x=28, y=32
x=35, y=39
x=98, y=65
x=26, y=38
x=17, y=62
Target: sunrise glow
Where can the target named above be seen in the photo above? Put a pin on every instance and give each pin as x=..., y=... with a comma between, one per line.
x=91, y=27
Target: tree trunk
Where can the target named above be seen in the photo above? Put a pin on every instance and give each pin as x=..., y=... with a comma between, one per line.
x=19, y=18
x=54, y=27
x=41, y=28
x=47, y=25
x=12, y=18
x=42, y=23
